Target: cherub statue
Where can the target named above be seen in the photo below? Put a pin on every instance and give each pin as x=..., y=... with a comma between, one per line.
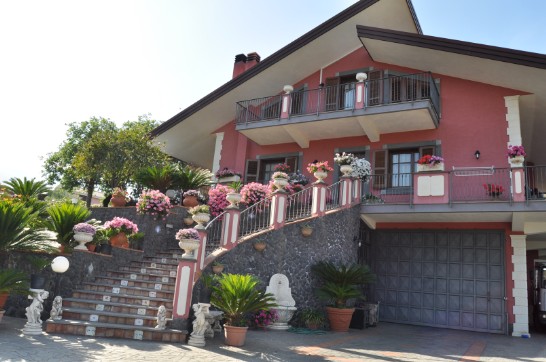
x=57, y=309
x=36, y=307
x=200, y=322
x=161, y=317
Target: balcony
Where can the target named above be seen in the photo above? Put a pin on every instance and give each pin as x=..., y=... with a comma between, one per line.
x=373, y=107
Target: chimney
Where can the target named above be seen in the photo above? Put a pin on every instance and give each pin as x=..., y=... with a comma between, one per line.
x=244, y=63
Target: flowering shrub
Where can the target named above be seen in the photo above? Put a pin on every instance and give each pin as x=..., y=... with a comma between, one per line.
x=265, y=317
x=493, y=190
x=514, y=151
x=217, y=199
x=120, y=225
x=187, y=234
x=84, y=228
x=430, y=160
x=361, y=169
x=199, y=209
x=298, y=178
x=319, y=166
x=280, y=174
x=154, y=203
x=119, y=192
x=344, y=158
x=226, y=172
x=253, y=193
x=282, y=167
x=191, y=193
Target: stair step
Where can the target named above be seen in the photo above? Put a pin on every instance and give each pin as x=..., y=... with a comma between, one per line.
x=99, y=305
x=149, y=270
x=141, y=276
x=96, y=329
x=160, y=261
x=108, y=317
x=147, y=284
x=156, y=265
x=147, y=292
x=123, y=298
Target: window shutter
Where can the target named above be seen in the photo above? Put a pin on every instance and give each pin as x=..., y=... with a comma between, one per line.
x=375, y=87
x=427, y=150
x=380, y=168
x=332, y=89
x=251, y=173
x=292, y=162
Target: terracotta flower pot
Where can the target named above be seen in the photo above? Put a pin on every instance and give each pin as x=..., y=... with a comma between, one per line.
x=306, y=231
x=3, y=299
x=190, y=201
x=260, y=246
x=340, y=319
x=235, y=336
x=120, y=240
x=118, y=201
x=217, y=269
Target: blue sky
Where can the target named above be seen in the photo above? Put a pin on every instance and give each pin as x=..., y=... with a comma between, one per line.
x=66, y=61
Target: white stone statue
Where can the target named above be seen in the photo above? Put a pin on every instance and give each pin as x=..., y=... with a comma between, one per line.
x=57, y=309
x=33, y=312
x=278, y=286
x=161, y=317
x=200, y=325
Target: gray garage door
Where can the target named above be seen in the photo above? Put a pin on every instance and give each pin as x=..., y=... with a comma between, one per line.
x=451, y=279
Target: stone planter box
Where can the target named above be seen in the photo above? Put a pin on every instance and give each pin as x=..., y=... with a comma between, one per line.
x=427, y=168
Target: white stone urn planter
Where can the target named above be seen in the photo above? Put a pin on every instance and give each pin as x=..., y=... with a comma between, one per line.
x=229, y=179
x=82, y=239
x=233, y=198
x=188, y=245
x=426, y=168
x=280, y=182
x=517, y=161
x=346, y=169
x=201, y=219
x=320, y=175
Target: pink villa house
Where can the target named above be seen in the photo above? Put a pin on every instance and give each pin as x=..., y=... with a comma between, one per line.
x=451, y=248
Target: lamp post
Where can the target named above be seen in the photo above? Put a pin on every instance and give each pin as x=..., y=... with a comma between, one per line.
x=59, y=265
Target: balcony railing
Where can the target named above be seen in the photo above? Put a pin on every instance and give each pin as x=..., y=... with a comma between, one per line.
x=464, y=186
x=378, y=92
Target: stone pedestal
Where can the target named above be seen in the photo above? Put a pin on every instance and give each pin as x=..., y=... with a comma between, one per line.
x=284, y=315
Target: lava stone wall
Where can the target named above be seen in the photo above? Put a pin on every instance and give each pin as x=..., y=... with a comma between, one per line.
x=334, y=238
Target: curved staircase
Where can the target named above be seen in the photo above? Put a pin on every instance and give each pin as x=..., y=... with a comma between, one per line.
x=123, y=303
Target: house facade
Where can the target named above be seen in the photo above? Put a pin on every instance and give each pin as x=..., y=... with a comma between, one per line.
x=451, y=247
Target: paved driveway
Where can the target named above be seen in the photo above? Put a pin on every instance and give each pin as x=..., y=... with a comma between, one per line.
x=386, y=342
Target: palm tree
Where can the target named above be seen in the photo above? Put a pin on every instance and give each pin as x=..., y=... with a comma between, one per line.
x=157, y=177
x=63, y=217
x=191, y=178
x=27, y=189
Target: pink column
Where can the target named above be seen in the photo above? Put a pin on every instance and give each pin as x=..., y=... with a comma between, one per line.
x=356, y=190
x=230, y=227
x=286, y=99
x=279, y=204
x=345, y=191
x=518, y=184
x=318, y=208
x=360, y=95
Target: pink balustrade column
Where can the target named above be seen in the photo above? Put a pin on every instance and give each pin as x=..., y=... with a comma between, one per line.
x=360, y=101
x=279, y=205
x=230, y=227
x=346, y=191
x=318, y=207
x=356, y=190
x=518, y=183
x=286, y=99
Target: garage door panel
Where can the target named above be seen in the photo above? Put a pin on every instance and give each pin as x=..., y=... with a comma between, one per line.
x=452, y=279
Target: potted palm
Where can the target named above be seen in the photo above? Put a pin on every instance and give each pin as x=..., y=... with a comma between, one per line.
x=339, y=284
x=313, y=318
x=62, y=219
x=237, y=296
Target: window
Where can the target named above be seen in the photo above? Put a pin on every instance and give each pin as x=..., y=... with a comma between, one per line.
x=393, y=168
x=261, y=170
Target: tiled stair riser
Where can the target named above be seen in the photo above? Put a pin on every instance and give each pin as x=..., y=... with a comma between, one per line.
x=130, y=291
x=117, y=282
x=125, y=299
x=102, y=306
x=101, y=318
x=158, y=336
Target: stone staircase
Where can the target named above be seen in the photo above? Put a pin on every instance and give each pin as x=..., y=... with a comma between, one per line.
x=124, y=303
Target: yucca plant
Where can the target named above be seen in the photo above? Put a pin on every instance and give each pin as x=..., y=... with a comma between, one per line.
x=63, y=217
x=340, y=283
x=13, y=281
x=157, y=177
x=27, y=189
x=191, y=178
x=237, y=296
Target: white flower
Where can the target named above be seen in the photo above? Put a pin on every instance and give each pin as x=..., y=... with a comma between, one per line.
x=361, y=169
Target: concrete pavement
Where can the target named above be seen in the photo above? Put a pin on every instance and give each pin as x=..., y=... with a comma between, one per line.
x=386, y=342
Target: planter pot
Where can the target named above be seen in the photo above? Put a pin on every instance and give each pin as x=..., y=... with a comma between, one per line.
x=426, y=168
x=229, y=179
x=217, y=269
x=188, y=245
x=37, y=281
x=201, y=218
x=340, y=319
x=91, y=247
x=306, y=231
x=280, y=183
x=82, y=239
x=118, y=201
x=120, y=240
x=346, y=169
x=190, y=201
x=260, y=246
x=105, y=249
x=517, y=161
x=233, y=198
x=3, y=299
x=188, y=221
x=235, y=336
x=320, y=175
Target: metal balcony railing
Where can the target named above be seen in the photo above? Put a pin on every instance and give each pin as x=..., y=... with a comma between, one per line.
x=255, y=218
x=214, y=234
x=299, y=205
x=384, y=91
